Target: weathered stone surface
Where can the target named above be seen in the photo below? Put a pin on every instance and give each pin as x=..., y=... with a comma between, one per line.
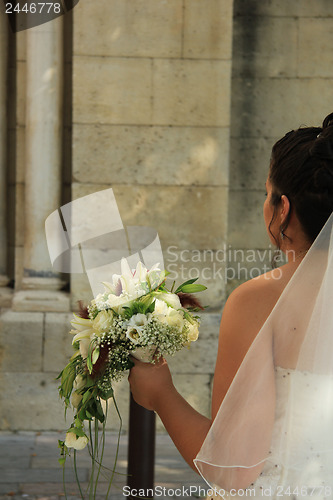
x=150, y=155
x=10, y=216
x=21, y=45
x=265, y=46
x=191, y=92
x=21, y=341
x=284, y=8
x=249, y=162
x=30, y=401
x=41, y=300
x=157, y=207
x=122, y=398
x=208, y=29
x=144, y=28
x=315, y=44
x=21, y=82
x=208, y=265
x=273, y=106
x=19, y=192
x=246, y=222
x=16, y=152
x=112, y=90
x=18, y=269
x=57, y=341
x=200, y=358
x=80, y=290
x=6, y=295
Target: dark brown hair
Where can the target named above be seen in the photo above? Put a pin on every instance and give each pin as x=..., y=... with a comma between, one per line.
x=302, y=169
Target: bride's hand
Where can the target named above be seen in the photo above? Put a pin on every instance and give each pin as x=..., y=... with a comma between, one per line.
x=149, y=382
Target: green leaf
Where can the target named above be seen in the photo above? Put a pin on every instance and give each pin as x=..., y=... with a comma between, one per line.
x=86, y=396
x=193, y=288
x=95, y=355
x=151, y=308
x=62, y=461
x=89, y=360
x=79, y=432
x=107, y=395
x=90, y=382
x=82, y=415
x=99, y=412
x=68, y=375
x=188, y=282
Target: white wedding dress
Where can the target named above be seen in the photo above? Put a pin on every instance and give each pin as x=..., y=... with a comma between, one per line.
x=276, y=416
x=314, y=480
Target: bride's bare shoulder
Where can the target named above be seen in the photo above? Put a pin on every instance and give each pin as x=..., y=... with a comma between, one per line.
x=256, y=298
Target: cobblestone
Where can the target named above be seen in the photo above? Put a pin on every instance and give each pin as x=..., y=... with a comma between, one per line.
x=30, y=470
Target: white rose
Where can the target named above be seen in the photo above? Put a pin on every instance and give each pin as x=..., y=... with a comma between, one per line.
x=193, y=332
x=73, y=441
x=103, y=321
x=171, y=299
x=117, y=301
x=175, y=318
x=160, y=307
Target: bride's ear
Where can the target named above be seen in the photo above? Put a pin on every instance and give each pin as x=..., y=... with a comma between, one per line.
x=285, y=209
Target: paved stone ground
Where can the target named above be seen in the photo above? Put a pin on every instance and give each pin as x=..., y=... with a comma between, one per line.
x=29, y=469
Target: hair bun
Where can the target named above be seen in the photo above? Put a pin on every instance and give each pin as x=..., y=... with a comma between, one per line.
x=323, y=179
x=328, y=121
x=322, y=148
x=323, y=145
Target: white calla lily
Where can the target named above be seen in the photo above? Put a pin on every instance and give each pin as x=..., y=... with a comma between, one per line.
x=84, y=347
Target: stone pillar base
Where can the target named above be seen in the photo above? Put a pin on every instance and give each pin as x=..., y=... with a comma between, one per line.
x=34, y=283
x=6, y=297
x=41, y=300
x=4, y=280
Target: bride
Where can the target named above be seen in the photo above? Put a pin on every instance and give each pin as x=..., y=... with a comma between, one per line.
x=270, y=430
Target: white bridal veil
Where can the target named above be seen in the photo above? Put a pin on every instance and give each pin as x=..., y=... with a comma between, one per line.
x=277, y=416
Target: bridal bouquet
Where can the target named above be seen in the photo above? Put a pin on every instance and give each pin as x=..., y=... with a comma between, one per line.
x=135, y=316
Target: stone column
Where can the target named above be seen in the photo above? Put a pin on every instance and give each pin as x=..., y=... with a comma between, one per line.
x=44, y=106
x=3, y=141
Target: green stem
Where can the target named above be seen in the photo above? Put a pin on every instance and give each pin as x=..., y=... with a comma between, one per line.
x=76, y=476
x=93, y=451
x=117, y=450
x=103, y=446
x=64, y=480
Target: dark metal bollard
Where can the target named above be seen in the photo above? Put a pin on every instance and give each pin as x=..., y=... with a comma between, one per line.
x=141, y=450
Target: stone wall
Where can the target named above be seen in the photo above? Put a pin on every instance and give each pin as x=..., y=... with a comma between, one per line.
x=151, y=102
x=281, y=79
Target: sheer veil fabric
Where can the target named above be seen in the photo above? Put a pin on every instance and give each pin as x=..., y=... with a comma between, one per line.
x=276, y=420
